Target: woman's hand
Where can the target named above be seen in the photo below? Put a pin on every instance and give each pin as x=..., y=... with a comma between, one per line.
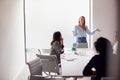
x=98, y=30
x=61, y=41
x=73, y=32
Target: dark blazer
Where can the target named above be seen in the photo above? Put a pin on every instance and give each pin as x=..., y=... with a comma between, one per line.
x=100, y=63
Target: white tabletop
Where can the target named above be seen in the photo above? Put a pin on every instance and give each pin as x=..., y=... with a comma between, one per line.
x=73, y=62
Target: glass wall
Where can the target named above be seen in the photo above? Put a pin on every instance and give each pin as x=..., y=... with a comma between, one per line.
x=44, y=17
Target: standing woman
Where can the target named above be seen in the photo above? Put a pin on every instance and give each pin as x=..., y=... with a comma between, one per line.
x=81, y=31
x=57, y=45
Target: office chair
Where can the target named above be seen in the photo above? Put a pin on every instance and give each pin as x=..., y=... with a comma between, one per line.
x=35, y=68
x=45, y=51
x=50, y=64
x=31, y=53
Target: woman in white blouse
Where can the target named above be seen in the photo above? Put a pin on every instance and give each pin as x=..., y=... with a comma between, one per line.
x=81, y=31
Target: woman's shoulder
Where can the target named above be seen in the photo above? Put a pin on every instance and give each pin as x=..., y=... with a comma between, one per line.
x=56, y=42
x=96, y=57
x=76, y=26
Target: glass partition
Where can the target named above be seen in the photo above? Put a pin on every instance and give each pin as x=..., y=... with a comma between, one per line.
x=44, y=17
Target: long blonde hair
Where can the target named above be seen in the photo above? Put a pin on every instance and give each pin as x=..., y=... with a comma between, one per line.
x=82, y=25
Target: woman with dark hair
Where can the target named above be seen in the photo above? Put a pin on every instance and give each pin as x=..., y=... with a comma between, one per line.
x=57, y=45
x=101, y=62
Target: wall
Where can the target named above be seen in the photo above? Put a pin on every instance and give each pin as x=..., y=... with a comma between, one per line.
x=118, y=22
x=12, y=58
x=105, y=17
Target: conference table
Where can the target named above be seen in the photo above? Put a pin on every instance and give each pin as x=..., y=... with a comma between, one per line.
x=73, y=62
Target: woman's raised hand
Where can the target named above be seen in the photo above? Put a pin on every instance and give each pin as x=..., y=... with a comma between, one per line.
x=98, y=30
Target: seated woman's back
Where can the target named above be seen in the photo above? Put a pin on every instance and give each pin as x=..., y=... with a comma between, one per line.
x=101, y=62
x=57, y=45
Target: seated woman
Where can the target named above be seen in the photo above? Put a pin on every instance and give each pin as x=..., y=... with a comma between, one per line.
x=57, y=45
x=101, y=62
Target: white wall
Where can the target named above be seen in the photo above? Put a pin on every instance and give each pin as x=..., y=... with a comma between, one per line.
x=11, y=39
x=43, y=17
x=105, y=17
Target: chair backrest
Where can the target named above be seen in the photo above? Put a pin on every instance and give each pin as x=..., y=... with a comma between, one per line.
x=45, y=51
x=108, y=78
x=35, y=67
x=49, y=63
x=31, y=53
x=80, y=45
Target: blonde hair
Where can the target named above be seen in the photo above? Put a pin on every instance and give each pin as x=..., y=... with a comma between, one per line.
x=83, y=26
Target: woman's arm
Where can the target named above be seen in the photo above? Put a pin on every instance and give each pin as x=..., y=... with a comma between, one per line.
x=88, y=68
x=75, y=31
x=93, y=32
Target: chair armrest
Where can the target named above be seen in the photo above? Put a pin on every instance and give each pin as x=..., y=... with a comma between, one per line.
x=49, y=77
x=38, y=77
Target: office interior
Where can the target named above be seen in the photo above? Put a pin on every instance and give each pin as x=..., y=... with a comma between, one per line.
x=12, y=48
